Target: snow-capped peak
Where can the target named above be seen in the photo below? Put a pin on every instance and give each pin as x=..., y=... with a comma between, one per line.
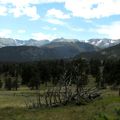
x=103, y=43
x=65, y=40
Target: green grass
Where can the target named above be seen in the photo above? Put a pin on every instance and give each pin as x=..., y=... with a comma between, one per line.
x=88, y=112
x=13, y=108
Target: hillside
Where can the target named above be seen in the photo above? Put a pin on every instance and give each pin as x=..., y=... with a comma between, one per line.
x=54, y=50
x=4, y=42
x=103, y=43
x=111, y=52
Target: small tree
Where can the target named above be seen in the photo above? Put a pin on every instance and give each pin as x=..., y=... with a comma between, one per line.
x=8, y=83
x=1, y=84
x=15, y=84
x=34, y=82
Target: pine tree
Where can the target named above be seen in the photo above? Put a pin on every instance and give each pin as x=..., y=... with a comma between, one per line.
x=1, y=84
x=8, y=83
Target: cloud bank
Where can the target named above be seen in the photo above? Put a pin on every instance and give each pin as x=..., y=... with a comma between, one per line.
x=87, y=9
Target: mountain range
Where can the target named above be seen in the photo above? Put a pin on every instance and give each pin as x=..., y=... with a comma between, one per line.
x=107, y=53
x=103, y=43
x=57, y=49
x=15, y=42
x=13, y=50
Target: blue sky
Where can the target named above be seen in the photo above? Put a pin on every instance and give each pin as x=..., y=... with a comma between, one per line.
x=50, y=19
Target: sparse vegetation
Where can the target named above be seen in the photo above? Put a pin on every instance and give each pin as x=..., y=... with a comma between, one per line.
x=63, y=90
x=13, y=107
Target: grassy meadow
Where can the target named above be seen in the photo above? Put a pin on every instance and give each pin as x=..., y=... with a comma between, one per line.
x=12, y=107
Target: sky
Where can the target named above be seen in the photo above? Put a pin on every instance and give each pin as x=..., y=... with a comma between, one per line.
x=50, y=19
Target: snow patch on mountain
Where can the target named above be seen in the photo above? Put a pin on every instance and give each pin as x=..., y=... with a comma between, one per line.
x=103, y=43
x=65, y=40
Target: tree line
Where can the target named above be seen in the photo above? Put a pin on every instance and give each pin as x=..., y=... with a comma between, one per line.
x=34, y=74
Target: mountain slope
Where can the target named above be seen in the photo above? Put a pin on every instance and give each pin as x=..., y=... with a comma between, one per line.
x=15, y=42
x=53, y=50
x=65, y=40
x=111, y=52
x=32, y=42
x=103, y=43
x=7, y=42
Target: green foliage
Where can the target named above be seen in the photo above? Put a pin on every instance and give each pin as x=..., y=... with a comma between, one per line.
x=1, y=84
x=117, y=111
x=111, y=72
x=94, y=66
x=8, y=83
x=101, y=116
x=34, y=74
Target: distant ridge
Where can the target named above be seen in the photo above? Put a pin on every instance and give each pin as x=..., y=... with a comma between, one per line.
x=4, y=42
x=52, y=50
x=107, y=53
x=101, y=43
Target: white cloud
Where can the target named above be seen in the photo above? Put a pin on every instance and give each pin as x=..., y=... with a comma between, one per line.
x=16, y=12
x=88, y=21
x=111, y=31
x=21, y=31
x=31, y=12
x=51, y=1
x=55, y=21
x=54, y=28
x=6, y=33
x=74, y=28
x=23, y=7
x=26, y=2
x=15, y=2
x=42, y=36
x=87, y=9
x=3, y=11
x=57, y=14
x=90, y=9
x=27, y=10
x=20, y=8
